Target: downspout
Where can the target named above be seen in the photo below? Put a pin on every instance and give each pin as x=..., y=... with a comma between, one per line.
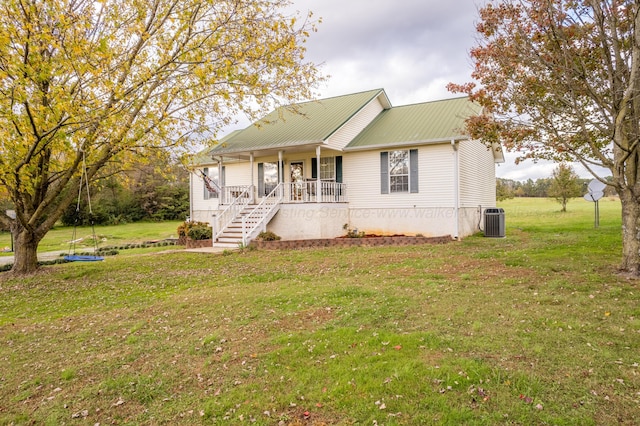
x=456, y=189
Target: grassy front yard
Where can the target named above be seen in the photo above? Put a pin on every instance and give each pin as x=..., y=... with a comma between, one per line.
x=536, y=328
x=58, y=239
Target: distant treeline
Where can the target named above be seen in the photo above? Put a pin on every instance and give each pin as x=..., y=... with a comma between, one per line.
x=508, y=188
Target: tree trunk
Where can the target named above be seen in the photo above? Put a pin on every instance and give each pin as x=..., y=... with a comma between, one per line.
x=630, y=233
x=25, y=251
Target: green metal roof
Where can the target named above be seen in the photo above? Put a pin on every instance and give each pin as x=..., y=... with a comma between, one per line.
x=313, y=123
x=436, y=121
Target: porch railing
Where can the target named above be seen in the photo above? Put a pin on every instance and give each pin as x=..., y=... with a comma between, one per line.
x=241, y=197
x=312, y=191
x=256, y=221
x=231, y=193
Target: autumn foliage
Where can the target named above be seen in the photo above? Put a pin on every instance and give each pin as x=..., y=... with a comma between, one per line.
x=560, y=80
x=105, y=83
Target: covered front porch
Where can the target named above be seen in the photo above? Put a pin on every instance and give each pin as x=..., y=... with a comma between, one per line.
x=246, y=215
x=305, y=174
x=253, y=186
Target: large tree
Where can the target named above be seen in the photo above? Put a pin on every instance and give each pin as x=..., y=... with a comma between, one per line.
x=560, y=80
x=565, y=184
x=99, y=82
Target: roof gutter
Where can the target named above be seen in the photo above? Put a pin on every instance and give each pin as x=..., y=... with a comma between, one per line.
x=408, y=143
x=274, y=148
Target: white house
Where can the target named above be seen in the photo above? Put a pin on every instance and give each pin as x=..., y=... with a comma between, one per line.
x=348, y=162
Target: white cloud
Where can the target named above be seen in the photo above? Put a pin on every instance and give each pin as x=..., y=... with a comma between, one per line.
x=410, y=48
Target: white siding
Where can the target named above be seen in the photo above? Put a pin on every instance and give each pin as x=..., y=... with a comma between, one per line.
x=236, y=174
x=361, y=172
x=355, y=125
x=201, y=209
x=477, y=175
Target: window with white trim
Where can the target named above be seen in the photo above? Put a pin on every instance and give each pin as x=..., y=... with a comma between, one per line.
x=328, y=168
x=268, y=177
x=399, y=171
x=212, y=174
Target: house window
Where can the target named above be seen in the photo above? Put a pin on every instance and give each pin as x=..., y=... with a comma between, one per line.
x=268, y=178
x=328, y=168
x=399, y=171
x=212, y=174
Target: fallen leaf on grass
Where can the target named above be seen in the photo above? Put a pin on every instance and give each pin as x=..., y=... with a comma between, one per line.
x=526, y=399
x=381, y=405
x=83, y=413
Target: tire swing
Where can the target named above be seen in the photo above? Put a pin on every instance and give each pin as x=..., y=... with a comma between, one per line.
x=73, y=257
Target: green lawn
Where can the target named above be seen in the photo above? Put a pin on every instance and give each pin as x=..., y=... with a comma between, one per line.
x=60, y=238
x=534, y=328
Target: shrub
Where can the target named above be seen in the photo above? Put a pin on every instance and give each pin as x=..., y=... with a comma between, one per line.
x=182, y=229
x=268, y=236
x=195, y=230
x=202, y=231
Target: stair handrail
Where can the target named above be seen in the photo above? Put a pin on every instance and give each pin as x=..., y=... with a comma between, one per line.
x=257, y=216
x=227, y=215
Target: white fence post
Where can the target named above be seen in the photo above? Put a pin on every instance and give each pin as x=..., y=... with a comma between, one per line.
x=244, y=231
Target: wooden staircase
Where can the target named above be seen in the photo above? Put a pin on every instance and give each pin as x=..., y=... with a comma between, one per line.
x=255, y=217
x=243, y=222
x=231, y=236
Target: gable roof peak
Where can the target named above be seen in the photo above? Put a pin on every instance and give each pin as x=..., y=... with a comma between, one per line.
x=307, y=123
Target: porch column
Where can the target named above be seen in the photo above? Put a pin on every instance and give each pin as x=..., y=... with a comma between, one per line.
x=222, y=191
x=281, y=172
x=318, y=182
x=251, y=183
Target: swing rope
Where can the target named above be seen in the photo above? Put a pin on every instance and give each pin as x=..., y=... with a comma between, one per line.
x=84, y=177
